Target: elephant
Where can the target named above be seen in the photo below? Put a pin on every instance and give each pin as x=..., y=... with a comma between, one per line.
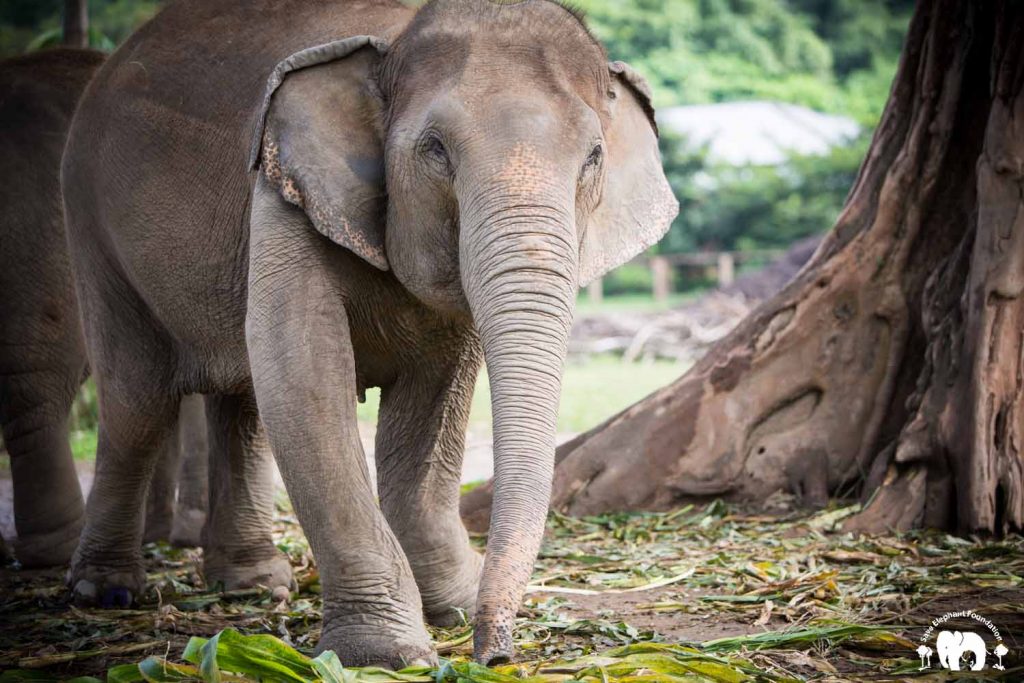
x=282, y=203
x=42, y=352
x=953, y=645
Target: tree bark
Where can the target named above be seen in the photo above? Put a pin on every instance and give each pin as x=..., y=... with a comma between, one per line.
x=76, y=23
x=891, y=366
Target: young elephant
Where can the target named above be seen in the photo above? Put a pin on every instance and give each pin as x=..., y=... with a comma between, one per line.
x=42, y=353
x=432, y=188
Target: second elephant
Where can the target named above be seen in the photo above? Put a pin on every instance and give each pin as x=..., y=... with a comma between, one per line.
x=42, y=352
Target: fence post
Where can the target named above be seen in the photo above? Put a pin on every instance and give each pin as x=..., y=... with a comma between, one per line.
x=726, y=269
x=661, y=276
x=595, y=291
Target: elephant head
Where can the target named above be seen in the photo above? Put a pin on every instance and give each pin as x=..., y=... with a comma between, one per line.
x=493, y=159
x=952, y=645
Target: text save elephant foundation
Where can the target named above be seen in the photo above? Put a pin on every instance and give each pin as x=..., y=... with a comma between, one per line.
x=280, y=203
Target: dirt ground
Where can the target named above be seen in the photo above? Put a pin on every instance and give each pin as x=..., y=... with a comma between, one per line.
x=779, y=596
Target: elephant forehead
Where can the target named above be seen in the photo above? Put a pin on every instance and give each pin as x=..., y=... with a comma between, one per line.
x=524, y=170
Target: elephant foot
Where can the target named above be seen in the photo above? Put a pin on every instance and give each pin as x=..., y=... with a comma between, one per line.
x=451, y=600
x=95, y=585
x=49, y=549
x=187, y=530
x=358, y=645
x=271, y=572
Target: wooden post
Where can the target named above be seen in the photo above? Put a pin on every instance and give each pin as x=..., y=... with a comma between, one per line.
x=595, y=291
x=76, y=23
x=726, y=269
x=661, y=275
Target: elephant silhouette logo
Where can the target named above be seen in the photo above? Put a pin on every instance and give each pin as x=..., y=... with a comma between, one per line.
x=953, y=646
x=961, y=649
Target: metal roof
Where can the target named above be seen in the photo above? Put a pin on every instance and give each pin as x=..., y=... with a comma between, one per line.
x=757, y=132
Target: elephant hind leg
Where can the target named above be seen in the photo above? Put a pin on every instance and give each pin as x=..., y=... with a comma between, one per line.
x=48, y=507
x=162, y=490
x=193, y=498
x=238, y=548
x=177, y=501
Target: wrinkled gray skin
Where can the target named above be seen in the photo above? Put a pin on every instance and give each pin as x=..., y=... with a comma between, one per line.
x=177, y=501
x=42, y=353
x=426, y=199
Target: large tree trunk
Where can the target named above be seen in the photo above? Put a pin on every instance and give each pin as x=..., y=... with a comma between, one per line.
x=76, y=23
x=892, y=365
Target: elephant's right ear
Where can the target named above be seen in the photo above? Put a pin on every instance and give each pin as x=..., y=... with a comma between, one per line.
x=318, y=141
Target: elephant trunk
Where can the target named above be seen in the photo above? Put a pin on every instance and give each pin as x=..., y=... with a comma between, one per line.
x=518, y=264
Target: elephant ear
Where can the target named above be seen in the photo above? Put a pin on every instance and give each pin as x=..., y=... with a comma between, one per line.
x=637, y=205
x=318, y=141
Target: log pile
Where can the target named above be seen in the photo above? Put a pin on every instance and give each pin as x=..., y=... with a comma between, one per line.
x=684, y=333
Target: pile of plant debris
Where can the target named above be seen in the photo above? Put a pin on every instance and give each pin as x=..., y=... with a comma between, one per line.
x=711, y=593
x=685, y=332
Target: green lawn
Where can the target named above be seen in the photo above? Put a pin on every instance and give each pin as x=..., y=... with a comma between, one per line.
x=594, y=389
x=633, y=303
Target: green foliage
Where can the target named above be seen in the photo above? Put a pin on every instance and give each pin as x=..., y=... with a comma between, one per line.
x=231, y=656
x=739, y=208
x=754, y=207
x=27, y=25
x=85, y=409
x=54, y=37
x=632, y=278
x=831, y=55
x=858, y=31
x=822, y=54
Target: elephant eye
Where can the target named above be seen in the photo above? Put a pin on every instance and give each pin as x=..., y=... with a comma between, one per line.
x=432, y=147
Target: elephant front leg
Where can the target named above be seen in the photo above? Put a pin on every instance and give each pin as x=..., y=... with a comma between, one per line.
x=303, y=372
x=107, y=568
x=421, y=437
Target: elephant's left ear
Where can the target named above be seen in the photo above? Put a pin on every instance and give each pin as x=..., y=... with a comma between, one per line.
x=637, y=205
x=318, y=141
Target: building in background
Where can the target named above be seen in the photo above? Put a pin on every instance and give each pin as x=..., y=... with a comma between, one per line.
x=757, y=132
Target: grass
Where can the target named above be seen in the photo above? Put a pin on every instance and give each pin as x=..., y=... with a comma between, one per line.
x=633, y=303
x=593, y=389
x=83, y=444
x=83, y=447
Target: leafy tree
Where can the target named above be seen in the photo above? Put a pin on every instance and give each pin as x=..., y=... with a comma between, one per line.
x=831, y=55
x=33, y=24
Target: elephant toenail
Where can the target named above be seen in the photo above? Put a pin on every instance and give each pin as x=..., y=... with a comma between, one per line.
x=116, y=597
x=85, y=590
